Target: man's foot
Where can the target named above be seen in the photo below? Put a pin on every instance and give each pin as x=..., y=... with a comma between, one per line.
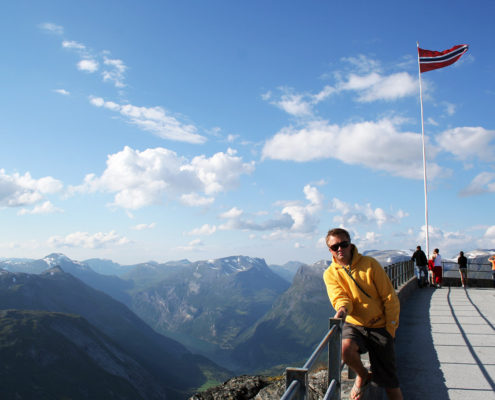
x=357, y=392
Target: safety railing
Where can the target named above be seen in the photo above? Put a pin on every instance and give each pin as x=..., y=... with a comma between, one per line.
x=474, y=270
x=296, y=380
x=399, y=273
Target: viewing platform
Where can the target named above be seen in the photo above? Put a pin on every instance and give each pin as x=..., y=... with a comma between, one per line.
x=446, y=344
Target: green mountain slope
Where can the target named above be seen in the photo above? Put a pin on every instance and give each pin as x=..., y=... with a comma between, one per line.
x=288, y=333
x=60, y=356
x=55, y=290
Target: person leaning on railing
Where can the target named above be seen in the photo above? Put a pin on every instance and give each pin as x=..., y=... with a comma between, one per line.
x=362, y=294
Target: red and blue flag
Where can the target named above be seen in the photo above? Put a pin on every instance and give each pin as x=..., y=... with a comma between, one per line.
x=430, y=60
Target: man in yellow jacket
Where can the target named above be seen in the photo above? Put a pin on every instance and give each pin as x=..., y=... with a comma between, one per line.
x=362, y=294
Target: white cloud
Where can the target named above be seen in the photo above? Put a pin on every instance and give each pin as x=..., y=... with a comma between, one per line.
x=293, y=219
x=88, y=65
x=375, y=145
x=362, y=63
x=204, y=230
x=62, y=92
x=469, y=142
x=142, y=227
x=373, y=87
x=484, y=182
x=193, y=245
x=195, y=200
x=153, y=119
x=368, y=81
x=70, y=44
x=23, y=190
x=45, y=208
x=448, y=242
x=88, y=241
x=449, y=108
x=52, y=28
x=116, y=73
x=232, y=213
x=362, y=214
x=141, y=178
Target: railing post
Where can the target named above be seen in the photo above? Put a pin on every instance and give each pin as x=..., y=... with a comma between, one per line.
x=300, y=375
x=335, y=356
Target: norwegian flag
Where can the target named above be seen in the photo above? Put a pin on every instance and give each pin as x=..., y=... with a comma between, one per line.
x=430, y=60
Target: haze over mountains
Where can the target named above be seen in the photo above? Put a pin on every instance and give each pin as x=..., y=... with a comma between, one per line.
x=156, y=330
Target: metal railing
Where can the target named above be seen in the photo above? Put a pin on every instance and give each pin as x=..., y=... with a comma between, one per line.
x=296, y=379
x=399, y=273
x=475, y=270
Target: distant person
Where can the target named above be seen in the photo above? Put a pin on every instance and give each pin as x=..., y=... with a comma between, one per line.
x=462, y=261
x=362, y=294
x=437, y=268
x=431, y=266
x=492, y=260
x=419, y=257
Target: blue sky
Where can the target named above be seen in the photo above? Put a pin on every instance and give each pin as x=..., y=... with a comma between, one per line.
x=162, y=130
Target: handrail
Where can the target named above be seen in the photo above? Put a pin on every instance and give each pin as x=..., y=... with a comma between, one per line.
x=296, y=379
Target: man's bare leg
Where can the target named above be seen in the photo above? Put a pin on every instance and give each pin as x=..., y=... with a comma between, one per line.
x=351, y=356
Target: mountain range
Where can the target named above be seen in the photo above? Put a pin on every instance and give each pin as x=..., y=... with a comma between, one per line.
x=177, y=370
x=172, y=318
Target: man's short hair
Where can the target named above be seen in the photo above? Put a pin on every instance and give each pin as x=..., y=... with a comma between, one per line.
x=436, y=251
x=418, y=247
x=338, y=232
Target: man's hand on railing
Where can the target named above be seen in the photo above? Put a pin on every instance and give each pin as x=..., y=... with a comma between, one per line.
x=341, y=313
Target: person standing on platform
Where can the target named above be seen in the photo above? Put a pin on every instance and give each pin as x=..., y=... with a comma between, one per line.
x=462, y=261
x=437, y=268
x=421, y=261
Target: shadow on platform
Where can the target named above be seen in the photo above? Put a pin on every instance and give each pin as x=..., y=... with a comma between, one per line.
x=418, y=366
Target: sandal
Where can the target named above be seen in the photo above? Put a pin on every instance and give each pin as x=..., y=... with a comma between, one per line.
x=357, y=392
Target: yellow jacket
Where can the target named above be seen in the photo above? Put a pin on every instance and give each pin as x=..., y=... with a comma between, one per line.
x=379, y=310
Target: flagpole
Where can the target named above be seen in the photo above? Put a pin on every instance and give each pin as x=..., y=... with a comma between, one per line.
x=424, y=157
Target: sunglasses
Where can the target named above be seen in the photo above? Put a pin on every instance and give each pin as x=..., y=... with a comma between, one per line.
x=344, y=245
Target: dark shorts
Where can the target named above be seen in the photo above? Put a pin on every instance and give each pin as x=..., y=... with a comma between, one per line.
x=463, y=271
x=380, y=346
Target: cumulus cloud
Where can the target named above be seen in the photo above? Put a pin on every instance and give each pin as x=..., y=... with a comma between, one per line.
x=293, y=218
x=373, y=87
x=153, y=119
x=484, y=182
x=297, y=104
x=22, y=190
x=87, y=65
x=362, y=214
x=52, y=28
x=141, y=178
x=45, y=208
x=364, y=77
x=88, y=241
x=448, y=242
x=376, y=145
x=142, y=227
x=467, y=143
